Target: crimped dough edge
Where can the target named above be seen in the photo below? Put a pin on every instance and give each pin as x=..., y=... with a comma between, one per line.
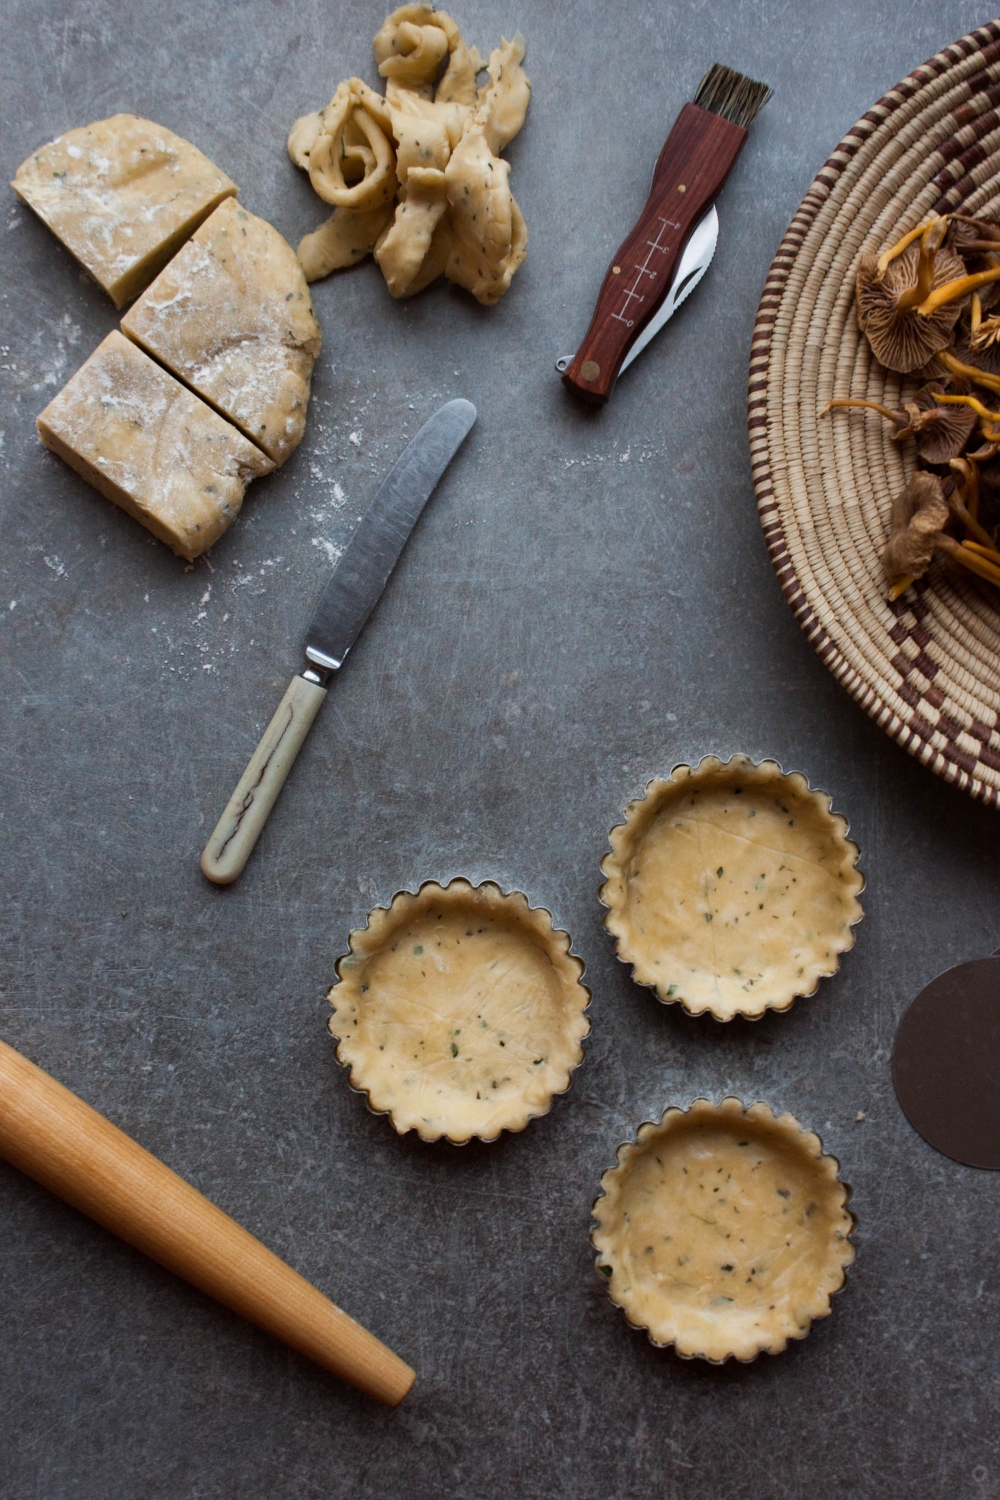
x=814, y=1295
x=641, y=813
x=457, y=896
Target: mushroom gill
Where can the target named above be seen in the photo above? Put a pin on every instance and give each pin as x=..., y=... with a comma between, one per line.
x=893, y=291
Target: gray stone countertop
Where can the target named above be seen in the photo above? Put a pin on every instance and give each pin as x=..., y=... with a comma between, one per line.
x=587, y=602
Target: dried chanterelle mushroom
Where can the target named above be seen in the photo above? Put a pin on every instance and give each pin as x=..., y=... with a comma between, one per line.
x=892, y=292
x=941, y=431
x=923, y=306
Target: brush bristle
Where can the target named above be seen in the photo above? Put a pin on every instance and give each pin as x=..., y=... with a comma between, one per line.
x=732, y=95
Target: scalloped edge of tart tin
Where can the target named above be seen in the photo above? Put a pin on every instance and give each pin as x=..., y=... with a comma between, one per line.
x=794, y=1132
x=682, y=772
x=379, y=913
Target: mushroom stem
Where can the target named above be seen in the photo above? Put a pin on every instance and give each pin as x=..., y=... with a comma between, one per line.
x=900, y=587
x=888, y=256
x=990, y=553
x=976, y=405
x=971, y=560
x=958, y=507
x=975, y=313
x=923, y=287
x=952, y=291
x=970, y=474
x=883, y=411
x=970, y=372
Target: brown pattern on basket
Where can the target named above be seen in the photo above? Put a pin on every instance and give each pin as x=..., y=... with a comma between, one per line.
x=927, y=667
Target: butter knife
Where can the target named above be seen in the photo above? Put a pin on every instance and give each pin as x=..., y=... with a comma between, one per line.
x=345, y=604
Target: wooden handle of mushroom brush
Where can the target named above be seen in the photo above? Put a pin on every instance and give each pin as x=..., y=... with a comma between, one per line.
x=692, y=167
x=68, y=1147
x=248, y=809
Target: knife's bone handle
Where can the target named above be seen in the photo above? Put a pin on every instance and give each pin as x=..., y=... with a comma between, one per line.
x=692, y=167
x=236, y=832
x=68, y=1147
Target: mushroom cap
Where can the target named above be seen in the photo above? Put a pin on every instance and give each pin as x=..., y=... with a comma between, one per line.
x=965, y=230
x=941, y=431
x=919, y=515
x=902, y=339
x=985, y=358
x=963, y=234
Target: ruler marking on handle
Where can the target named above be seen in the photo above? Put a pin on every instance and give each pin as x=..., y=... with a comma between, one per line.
x=632, y=293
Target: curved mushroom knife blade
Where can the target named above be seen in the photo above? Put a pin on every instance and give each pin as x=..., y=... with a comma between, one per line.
x=345, y=604
x=699, y=154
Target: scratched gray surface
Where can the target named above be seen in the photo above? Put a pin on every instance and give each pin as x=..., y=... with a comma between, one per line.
x=586, y=602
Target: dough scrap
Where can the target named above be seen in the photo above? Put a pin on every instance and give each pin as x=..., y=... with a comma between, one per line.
x=150, y=445
x=725, y=1230
x=476, y=235
x=351, y=158
x=488, y=231
x=123, y=195
x=231, y=316
x=460, y=1011
x=403, y=249
x=732, y=888
x=503, y=102
x=345, y=238
x=411, y=46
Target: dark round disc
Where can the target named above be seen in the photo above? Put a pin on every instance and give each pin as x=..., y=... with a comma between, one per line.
x=946, y=1063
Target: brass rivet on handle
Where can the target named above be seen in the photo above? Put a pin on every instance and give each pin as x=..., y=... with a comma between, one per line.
x=589, y=370
x=616, y=270
x=681, y=187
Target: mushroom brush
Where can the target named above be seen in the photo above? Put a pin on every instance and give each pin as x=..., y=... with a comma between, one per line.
x=76, y=1153
x=707, y=137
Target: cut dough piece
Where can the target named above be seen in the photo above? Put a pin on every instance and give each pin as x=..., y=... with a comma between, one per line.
x=231, y=316
x=144, y=440
x=732, y=888
x=723, y=1230
x=460, y=1011
x=123, y=195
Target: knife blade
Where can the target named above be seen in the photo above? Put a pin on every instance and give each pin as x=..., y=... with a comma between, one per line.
x=348, y=599
x=698, y=254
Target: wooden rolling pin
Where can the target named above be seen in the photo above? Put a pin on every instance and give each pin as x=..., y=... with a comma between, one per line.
x=68, y=1147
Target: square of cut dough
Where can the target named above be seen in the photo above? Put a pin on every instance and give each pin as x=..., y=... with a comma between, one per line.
x=149, y=444
x=231, y=316
x=122, y=194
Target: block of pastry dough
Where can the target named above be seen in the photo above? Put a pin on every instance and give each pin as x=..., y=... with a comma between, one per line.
x=123, y=195
x=231, y=316
x=149, y=444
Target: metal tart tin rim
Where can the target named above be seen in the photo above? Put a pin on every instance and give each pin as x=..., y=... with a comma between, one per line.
x=348, y=1067
x=815, y=792
x=599, y=1263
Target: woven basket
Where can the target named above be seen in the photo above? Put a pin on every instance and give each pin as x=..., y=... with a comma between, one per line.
x=926, y=668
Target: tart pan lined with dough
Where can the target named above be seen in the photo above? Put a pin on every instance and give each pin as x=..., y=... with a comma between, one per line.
x=723, y=1230
x=731, y=887
x=459, y=1011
